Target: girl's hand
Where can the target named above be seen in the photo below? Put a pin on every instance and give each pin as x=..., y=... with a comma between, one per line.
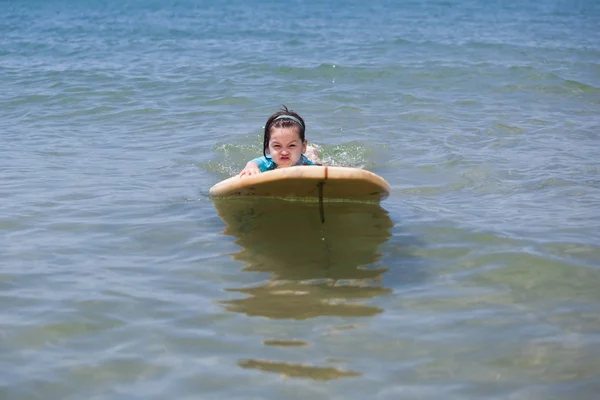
x=250, y=169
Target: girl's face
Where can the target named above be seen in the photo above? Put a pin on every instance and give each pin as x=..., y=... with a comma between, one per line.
x=286, y=147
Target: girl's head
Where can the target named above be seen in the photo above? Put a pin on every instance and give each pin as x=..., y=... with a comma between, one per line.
x=284, y=138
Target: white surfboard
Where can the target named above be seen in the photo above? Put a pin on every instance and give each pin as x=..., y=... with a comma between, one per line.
x=309, y=183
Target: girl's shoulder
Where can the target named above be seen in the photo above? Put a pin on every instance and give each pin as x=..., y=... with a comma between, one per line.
x=264, y=163
x=305, y=161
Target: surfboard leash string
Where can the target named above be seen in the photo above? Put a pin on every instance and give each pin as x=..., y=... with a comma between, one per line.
x=320, y=186
x=321, y=210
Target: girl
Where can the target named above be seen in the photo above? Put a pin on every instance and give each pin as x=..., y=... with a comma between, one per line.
x=284, y=144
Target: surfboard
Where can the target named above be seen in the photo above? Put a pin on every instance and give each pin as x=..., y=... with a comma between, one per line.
x=309, y=183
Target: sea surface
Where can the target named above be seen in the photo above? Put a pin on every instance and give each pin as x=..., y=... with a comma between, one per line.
x=478, y=277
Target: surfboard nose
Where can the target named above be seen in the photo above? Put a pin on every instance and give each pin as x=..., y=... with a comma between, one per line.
x=341, y=183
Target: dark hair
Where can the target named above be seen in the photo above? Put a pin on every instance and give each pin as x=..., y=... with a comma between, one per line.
x=283, y=123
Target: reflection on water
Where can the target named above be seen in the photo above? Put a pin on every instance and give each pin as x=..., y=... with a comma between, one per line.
x=299, y=370
x=315, y=269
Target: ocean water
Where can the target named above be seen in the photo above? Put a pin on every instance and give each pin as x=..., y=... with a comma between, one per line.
x=479, y=277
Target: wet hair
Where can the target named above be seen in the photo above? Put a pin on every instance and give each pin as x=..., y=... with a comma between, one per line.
x=274, y=122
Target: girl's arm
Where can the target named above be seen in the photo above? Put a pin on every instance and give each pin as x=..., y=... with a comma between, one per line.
x=250, y=169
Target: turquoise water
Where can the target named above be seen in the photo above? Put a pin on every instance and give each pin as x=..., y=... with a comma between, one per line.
x=479, y=277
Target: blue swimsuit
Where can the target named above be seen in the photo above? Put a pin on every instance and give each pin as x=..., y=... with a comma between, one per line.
x=267, y=164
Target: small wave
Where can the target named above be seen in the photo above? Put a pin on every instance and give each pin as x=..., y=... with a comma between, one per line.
x=235, y=156
x=236, y=101
x=580, y=86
